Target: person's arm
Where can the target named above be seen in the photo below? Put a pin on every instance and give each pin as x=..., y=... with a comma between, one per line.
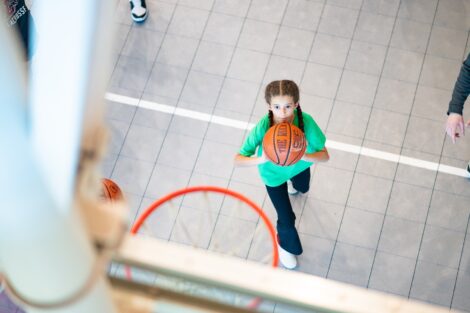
x=317, y=157
x=455, y=125
x=241, y=160
x=461, y=89
x=315, y=141
x=247, y=154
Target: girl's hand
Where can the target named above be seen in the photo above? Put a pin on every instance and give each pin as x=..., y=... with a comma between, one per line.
x=306, y=156
x=319, y=156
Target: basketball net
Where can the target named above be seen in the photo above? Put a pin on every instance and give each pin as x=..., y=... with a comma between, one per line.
x=214, y=219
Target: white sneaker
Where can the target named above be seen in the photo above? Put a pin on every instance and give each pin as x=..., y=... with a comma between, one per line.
x=138, y=10
x=290, y=188
x=288, y=260
x=468, y=168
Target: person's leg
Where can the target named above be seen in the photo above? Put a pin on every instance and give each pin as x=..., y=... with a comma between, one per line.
x=287, y=234
x=301, y=181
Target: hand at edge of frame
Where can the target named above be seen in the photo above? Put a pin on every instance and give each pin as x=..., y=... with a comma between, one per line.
x=455, y=127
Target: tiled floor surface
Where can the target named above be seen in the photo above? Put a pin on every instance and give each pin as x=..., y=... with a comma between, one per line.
x=373, y=73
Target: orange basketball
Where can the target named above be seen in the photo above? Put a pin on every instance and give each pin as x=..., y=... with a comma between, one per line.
x=284, y=144
x=110, y=191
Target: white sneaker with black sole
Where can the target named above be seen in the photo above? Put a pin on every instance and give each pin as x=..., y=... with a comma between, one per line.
x=138, y=10
x=288, y=260
x=290, y=188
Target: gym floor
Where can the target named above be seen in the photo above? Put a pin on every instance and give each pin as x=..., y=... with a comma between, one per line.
x=373, y=73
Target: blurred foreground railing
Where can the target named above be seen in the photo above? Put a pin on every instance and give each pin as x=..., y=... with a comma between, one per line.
x=200, y=281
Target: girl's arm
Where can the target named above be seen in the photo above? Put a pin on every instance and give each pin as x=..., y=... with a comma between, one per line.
x=317, y=157
x=241, y=160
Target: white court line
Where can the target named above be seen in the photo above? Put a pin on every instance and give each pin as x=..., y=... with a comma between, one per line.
x=392, y=157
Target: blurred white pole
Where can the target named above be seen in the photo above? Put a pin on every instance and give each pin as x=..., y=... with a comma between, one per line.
x=67, y=43
x=45, y=252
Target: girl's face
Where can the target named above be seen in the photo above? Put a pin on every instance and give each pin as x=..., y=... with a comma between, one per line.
x=283, y=108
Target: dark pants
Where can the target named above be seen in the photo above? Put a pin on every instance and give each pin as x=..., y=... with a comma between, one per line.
x=287, y=234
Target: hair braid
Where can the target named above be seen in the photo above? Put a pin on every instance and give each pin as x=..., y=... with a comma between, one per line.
x=300, y=118
x=271, y=118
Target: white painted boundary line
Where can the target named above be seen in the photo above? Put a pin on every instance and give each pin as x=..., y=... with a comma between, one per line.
x=224, y=121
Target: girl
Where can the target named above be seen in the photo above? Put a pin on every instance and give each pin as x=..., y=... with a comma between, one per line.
x=282, y=97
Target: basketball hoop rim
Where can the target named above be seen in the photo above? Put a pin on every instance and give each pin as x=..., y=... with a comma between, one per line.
x=141, y=219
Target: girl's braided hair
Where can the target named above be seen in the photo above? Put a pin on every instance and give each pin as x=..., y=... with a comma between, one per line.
x=283, y=88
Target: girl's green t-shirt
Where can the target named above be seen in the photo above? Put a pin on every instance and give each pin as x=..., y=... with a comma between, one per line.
x=273, y=174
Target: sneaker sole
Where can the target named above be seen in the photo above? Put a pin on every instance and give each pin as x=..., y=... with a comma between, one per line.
x=139, y=19
x=289, y=268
